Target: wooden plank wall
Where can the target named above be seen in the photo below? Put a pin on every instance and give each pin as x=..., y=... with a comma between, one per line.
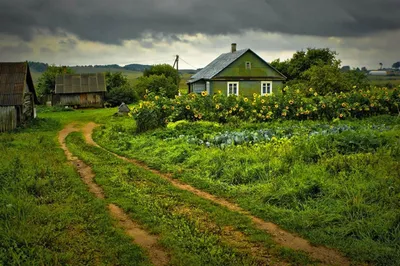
x=8, y=118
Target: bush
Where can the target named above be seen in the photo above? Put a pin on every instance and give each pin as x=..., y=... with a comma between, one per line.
x=122, y=94
x=290, y=105
x=158, y=85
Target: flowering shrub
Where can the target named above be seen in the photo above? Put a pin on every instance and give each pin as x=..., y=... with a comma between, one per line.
x=290, y=104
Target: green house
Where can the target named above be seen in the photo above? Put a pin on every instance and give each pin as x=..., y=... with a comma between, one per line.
x=240, y=72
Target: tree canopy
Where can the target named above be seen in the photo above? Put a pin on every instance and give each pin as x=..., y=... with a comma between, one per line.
x=163, y=69
x=157, y=84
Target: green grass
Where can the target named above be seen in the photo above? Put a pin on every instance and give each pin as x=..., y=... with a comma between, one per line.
x=339, y=188
x=47, y=216
x=387, y=81
x=189, y=226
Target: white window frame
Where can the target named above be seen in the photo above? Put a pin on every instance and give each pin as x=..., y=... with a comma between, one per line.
x=266, y=83
x=232, y=83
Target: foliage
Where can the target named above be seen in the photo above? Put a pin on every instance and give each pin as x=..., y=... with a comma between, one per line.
x=291, y=104
x=163, y=69
x=334, y=182
x=119, y=90
x=157, y=84
x=47, y=216
x=115, y=80
x=304, y=60
x=118, y=95
x=396, y=65
x=38, y=66
x=47, y=82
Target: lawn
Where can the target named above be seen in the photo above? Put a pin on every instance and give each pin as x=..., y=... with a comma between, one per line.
x=47, y=216
x=336, y=183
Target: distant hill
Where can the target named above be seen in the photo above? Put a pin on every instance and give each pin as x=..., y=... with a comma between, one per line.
x=132, y=71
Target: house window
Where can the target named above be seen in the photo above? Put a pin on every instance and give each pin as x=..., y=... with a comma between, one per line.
x=266, y=87
x=233, y=88
x=248, y=65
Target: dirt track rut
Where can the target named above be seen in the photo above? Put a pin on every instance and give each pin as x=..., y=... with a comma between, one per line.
x=280, y=236
x=141, y=237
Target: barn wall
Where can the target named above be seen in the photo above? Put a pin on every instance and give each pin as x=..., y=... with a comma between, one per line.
x=80, y=100
x=8, y=118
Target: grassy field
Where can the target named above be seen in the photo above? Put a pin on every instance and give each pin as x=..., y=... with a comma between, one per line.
x=388, y=81
x=335, y=183
x=47, y=216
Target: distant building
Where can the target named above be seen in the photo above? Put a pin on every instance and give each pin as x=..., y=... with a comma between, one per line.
x=240, y=72
x=80, y=90
x=17, y=95
x=378, y=73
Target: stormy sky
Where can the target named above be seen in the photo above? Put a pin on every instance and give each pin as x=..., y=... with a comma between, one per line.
x=82, y=32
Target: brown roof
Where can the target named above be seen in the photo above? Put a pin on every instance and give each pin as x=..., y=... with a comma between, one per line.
x=80, y=83
x=13, y=77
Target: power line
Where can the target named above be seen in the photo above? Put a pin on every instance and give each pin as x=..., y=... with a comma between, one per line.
x=188, y=63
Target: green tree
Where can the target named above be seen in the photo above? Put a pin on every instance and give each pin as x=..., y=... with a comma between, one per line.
x=157, y=84
x=396, y=65
x=164, y=69
x=115, y=80
x=119, y=90
x=304, y=60
x=47, y=82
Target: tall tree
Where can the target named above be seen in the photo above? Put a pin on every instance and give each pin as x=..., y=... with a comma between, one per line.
x=396, y=65
x=163, y=69
x=380, y=65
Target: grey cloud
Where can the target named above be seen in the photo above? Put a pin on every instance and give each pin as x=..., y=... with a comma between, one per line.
x=112, y=21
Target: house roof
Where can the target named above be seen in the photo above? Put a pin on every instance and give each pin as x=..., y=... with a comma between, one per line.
x=80, y=83
x=222, y=62
x=13, y=77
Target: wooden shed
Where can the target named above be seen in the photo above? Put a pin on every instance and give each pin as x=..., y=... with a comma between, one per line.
x=17, y=95
x=80, y=90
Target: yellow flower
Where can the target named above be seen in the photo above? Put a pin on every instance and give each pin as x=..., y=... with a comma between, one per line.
x=220, y=92
x=187, y=107
x=172, y=108
x=164, y=107
x=200, y=116
x=264, y=107
x=230, y=111
x=267, y=117
x=315, y=94
x=254, y=95
x=203, y=93
x=241, y=109
x=196, y=116
x=287, y=107
x=297, y=91
x=311, y=89
x=291, y=102
x=156, y=98
x=341, y=115
x=254, y=111
x=323, y=106
x=217, y=106
x=354, y=87
x=372, y=105
x=283, y=113
x=276, y=106
x=246, y=100
x=262, y=101
x=344, y=104
x=145, y=97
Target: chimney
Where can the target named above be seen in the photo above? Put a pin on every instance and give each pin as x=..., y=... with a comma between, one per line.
x=233, y=47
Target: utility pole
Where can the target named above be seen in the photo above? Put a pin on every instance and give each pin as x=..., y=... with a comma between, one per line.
x=177, y=69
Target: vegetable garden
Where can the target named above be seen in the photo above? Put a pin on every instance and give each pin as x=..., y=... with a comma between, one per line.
x=325, y=167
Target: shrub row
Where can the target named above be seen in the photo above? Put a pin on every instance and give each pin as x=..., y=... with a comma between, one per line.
x=290, y=104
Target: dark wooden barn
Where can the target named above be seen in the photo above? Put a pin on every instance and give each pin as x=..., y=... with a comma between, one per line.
x=80, y=90
x=17, y=95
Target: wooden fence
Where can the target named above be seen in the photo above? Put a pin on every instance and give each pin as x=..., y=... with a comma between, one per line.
x=8, y=118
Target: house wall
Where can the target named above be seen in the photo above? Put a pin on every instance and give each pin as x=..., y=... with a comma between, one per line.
x=246, y=88
x=81, y=100
x=258, y=68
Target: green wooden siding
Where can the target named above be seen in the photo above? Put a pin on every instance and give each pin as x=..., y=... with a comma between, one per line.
x=258, y=68
x=246, y=88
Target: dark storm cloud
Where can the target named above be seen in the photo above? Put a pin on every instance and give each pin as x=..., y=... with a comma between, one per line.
x=111, y=21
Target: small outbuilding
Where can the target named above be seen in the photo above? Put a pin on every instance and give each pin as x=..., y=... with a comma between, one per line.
x=80, y=90
x=17, y=95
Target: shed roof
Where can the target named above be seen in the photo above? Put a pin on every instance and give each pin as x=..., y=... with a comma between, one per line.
x=222, y=62
x=13, y=77
x=80, y=83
